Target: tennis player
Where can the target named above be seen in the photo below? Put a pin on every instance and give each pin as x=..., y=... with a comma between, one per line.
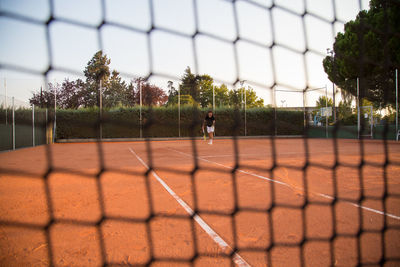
x=210, y=122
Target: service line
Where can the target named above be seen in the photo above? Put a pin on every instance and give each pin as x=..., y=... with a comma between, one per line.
x=238, y=260
x=288, y=185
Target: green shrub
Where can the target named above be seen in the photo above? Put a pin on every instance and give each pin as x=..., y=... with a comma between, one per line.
x=23, y=116
x=163, y=122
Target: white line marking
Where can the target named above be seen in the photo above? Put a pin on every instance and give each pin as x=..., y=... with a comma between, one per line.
x=281, y=154
x=238, y=260
x=294, y=187
x=231, y=155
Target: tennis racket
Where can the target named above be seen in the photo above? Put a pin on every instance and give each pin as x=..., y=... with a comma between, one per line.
x=204, y=135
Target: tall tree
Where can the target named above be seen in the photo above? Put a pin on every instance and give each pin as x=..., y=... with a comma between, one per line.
x=344, y=110
x=44, y=98
x=368, y=49
x=190, y=84
x=252, y=100
x=322, y=102
x=70, y=94
x=236, y=99
x=206, y=87
x=96, y=70
x=152, y=95
x=172, y=94
x=116, y=93
x=221, y=95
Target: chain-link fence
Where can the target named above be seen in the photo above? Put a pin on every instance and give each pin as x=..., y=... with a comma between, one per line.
x=21, y=125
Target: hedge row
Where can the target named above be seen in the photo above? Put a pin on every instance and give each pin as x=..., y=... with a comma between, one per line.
x=23, y=128
x=163, y=122
x=24, y=116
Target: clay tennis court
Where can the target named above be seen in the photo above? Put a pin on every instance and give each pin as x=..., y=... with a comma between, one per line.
x=252, y=202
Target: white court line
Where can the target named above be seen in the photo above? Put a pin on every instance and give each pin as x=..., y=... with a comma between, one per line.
x=294, y=187
x=217, y=239
x=278, y=154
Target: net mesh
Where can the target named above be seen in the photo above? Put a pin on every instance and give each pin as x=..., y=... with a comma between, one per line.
x=386, y=234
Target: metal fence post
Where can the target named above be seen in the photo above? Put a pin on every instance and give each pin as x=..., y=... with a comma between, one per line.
x=245, y=113
x=397, y=106
x=358, y=108
x=304, y=108
x=33, y=124
x=55, y=114
x=326, y=111
x=101, y=110
x=13, y=124
x=5, y=98
x=179, y=111
x=140, y=108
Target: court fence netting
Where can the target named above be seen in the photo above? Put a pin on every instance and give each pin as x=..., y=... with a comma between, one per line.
x=49, y=124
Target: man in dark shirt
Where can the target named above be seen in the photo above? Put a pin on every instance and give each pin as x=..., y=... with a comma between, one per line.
x=209, y=121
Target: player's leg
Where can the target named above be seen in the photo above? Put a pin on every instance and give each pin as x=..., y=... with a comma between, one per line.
x=210, y=131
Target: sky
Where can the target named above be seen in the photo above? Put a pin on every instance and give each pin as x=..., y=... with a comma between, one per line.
x=267, y=43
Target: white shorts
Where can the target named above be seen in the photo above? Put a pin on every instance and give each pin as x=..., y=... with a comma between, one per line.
x=210, y=129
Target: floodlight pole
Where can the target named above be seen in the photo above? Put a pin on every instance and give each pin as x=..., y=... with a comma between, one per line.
x=55, y=113
x=33, y=124
x=179, y=111
x=304, y=108
x=245, y=113
x=358, y=107
x=329, y=51
x=333, y=104
x=5, y=102
x=245, y=119
x=171, y=87
x=326, y=111
x=101, y=110
x=140, y=108
x=213, y=99
x=241, y=100
x=13, y=124
x=275, y=111
x=397, y=106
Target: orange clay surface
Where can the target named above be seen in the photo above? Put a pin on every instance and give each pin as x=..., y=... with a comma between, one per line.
x=91, y=204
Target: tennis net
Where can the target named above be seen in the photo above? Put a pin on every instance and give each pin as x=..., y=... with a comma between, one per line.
x=373, y=164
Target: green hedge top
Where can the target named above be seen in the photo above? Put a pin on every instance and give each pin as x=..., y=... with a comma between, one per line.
x=163, y=122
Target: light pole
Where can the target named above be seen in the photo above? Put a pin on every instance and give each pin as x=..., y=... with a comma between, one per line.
x=33, y=124
x=245, y=115
x=171, y=87
x=213, y=87
x=358, y=109
x=304, y=108
x=55, y=113
x=326, y=111
x=241, y=91
x=397, y=105
x=140, y=108
x=330, y=52
x=101, y=109
x=5, y=89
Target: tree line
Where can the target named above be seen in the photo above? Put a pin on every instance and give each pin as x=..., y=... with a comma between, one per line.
x=201, y=89
x=102, y=82
x=368, y=49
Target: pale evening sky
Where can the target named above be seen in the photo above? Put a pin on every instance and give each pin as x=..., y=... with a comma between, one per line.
x=292, y=63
